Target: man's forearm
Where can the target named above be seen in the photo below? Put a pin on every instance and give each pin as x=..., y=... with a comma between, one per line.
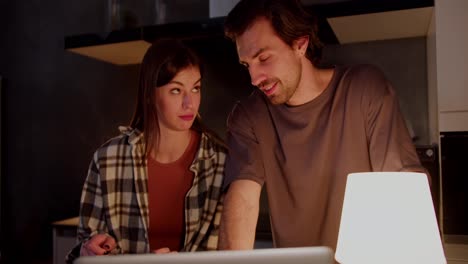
x=239, y=219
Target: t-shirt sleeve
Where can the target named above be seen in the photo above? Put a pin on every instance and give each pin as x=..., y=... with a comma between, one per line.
x=390, y=145
x=244, y=159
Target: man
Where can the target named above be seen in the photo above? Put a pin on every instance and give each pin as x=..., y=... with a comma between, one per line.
x=303, y=130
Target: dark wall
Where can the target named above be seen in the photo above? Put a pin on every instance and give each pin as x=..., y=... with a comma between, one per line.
x=224, y=82
x=58, y=107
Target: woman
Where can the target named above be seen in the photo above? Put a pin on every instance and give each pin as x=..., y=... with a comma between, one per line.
x=157, y=186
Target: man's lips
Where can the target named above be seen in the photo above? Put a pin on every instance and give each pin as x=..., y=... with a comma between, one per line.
x=270, y=89
x=186, y=117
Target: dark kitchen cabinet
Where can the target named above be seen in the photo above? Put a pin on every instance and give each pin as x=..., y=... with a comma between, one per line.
x=454, y=159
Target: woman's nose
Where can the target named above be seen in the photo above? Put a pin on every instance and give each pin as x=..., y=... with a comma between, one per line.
x=187, y=101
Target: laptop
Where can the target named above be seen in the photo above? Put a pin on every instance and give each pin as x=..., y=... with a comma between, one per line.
x=298, y=255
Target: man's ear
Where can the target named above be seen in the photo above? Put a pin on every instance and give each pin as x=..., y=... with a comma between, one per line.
x=301, y=44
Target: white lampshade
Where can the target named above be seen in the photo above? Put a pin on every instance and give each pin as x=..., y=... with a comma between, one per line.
x=388, y=217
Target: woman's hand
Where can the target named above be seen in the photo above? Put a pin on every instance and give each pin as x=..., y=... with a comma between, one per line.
x=99, y=244
x=163, y=250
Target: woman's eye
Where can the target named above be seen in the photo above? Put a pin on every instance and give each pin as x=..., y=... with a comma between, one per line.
x=175, y=91
x=196, y=89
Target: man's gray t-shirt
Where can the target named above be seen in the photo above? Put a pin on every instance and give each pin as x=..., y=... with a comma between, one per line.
x=304, y=153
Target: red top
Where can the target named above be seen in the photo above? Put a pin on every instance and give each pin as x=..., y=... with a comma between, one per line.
x=168, y=184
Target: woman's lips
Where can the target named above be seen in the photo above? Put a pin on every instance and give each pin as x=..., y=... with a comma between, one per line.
x=186, y=117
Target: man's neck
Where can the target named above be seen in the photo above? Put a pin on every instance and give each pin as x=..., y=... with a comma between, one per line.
x=313, y=82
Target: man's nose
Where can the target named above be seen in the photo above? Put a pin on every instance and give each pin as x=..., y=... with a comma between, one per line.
x=256, y=76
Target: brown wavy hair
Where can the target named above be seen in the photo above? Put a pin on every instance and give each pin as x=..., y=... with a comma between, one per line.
x=288, y=18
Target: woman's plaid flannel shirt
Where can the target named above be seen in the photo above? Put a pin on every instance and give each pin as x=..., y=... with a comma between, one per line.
x=115, y=196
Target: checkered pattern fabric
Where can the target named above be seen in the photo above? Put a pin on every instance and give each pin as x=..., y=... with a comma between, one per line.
x=115, y=196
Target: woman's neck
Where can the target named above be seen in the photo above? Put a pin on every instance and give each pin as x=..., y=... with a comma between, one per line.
x=172, y=145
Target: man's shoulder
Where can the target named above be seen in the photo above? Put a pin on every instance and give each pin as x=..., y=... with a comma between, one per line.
x=249, y=108
x=363, y=72
x=255, y=100
x=367, y=82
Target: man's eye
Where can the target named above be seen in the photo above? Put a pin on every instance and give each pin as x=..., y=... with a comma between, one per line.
x=263, y=58
x=175, y=91
x=246, y=65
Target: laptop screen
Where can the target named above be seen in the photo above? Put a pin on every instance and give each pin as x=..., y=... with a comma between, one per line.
x=299, y=255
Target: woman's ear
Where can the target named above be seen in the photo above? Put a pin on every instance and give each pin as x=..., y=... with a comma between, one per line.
x=301, y=44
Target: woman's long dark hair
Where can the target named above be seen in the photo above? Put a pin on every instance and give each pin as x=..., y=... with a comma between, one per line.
x=161, y=63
